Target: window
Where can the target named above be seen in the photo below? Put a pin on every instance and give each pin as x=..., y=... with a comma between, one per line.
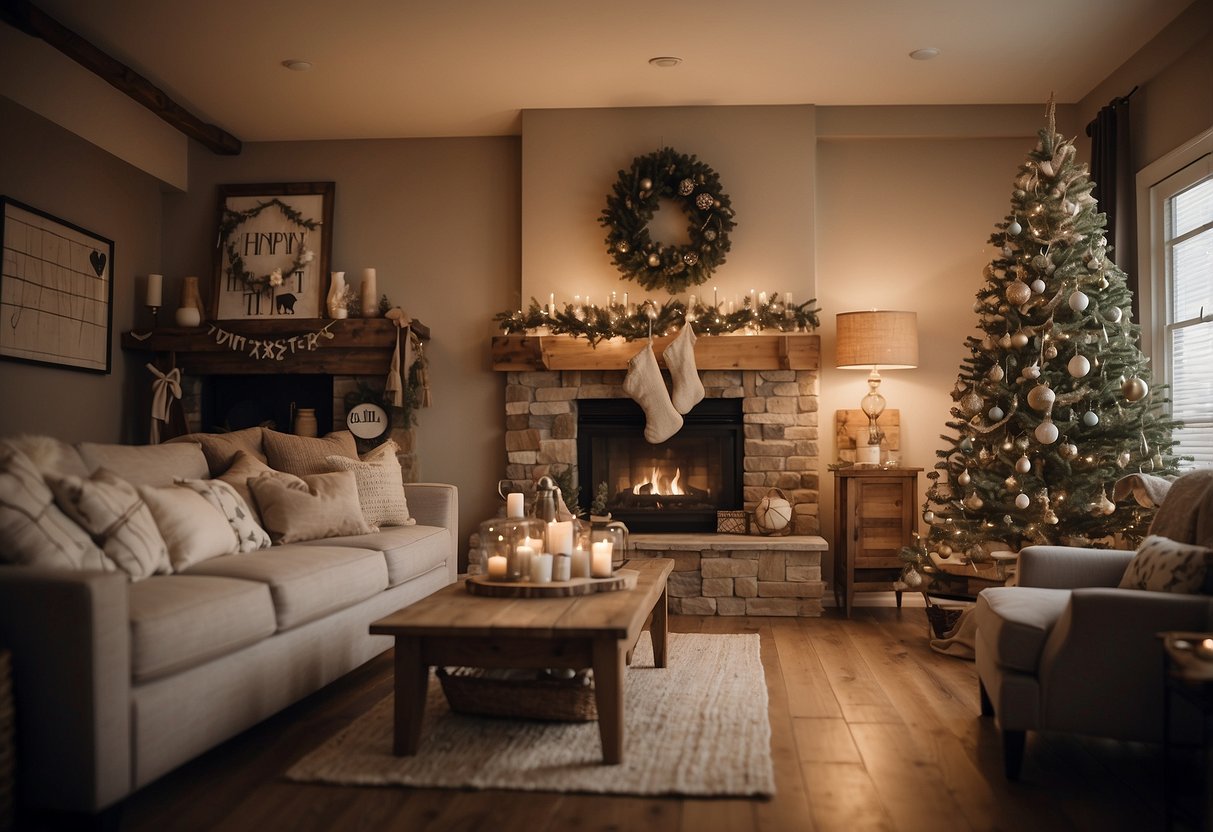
x=1179, y=263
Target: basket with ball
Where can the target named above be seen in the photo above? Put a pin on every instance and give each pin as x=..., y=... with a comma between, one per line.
x=773, y=514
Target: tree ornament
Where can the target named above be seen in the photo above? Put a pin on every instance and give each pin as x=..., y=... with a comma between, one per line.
x=995, y=413
x=1049, y=517
x=1114, y=314
x=1050, y=352
x=1022, y=500
x=686, y=187
x=988, y=344
x=654, y=260
x=1078, y=301
x=973, y=502
x=1122, y=459
x=1103, y=506
x=1135, y=389
x=1023, y=465
x=1019, y=340
x=1005, y=341
x=1067, y=450
x=966, y=445
x=928, y=516
x=1079, y=366
x=1046, y=432
x=1030, y=372
x=773, y=513
x=1038, y=286
x=995, y=374
x=1014, y=228
x=964, y=478
x=1007, y=445
x=646, y=184
x=1011, y=483
x=971, y=403
x=1090, y=418
x=1041, y=398
x=1018, y=292
x=705, y=201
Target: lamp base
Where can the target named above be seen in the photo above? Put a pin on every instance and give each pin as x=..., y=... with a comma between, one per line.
x=867, y=454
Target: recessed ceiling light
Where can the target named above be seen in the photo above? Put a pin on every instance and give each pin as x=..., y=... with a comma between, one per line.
x=296, y=65
x=665, y=61
x=925, y=54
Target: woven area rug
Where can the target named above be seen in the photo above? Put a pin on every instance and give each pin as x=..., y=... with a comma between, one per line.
x=698, y=727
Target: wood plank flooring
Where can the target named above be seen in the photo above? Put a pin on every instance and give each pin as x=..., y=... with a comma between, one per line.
x=871, y=730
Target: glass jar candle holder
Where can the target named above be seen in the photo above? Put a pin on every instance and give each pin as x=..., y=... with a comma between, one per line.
x=507, y=546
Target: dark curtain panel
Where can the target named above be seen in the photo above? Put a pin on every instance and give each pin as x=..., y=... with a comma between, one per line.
x=1112, y=172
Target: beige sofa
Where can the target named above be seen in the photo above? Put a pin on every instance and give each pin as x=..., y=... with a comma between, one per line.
x=118, y=682
x=1068, y=650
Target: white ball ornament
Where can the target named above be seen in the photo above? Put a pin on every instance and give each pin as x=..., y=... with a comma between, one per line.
x=1014, y=227
x=1046, y=432
x=1114, y=314
x=1135, y=389
x=1041, y=397
x=1022, y=501
x=995, y=413
x=772, y=514
x=1090, y=418
x=1023, y=465
x=1019, y=340
x=1079, y=366
x=1038, y=286
x=928, y=516
x=1079, y=301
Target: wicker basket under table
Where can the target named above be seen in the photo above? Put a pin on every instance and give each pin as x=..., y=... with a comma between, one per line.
x=471, y=690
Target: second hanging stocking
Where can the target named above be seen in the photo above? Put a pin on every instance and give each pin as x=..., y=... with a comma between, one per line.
x=646, y=386
x=680, y=358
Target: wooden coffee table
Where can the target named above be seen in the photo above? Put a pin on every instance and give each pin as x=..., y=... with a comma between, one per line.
x=454, y=628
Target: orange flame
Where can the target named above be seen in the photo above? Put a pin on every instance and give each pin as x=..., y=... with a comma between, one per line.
x=660, y=486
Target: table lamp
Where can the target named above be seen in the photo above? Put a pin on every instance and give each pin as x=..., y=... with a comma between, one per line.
x=876, y=340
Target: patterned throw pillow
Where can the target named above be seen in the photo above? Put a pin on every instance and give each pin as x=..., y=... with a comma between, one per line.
x=239, y=516
x=303, y=455
x=33, y=530
x=115, y=516
x=380, y=485
x=193, y=529
x=318, y=506
x=1162, y=565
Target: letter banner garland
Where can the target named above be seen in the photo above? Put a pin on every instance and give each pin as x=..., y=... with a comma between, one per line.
x=270, y=349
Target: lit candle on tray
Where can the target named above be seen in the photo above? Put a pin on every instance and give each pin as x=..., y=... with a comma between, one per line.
x=541, y=569
x=600, y=561
x=560, y=537
x=562, y=568
x=523, y=556
x=580, y=564
x=497, y=565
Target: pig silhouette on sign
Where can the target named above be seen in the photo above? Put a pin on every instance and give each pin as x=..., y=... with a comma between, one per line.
x=284, y=304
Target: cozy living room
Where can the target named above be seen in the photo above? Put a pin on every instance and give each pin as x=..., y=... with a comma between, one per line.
x=535, y=416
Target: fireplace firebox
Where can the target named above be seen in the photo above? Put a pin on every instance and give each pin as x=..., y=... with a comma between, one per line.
x=675, y=486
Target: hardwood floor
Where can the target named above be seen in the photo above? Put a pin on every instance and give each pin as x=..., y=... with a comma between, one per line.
x=870, y=730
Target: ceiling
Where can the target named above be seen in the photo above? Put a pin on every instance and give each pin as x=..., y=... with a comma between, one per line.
x=403, y=68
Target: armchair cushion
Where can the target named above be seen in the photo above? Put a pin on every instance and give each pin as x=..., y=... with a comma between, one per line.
x=1162, y=565
x=1016, y=621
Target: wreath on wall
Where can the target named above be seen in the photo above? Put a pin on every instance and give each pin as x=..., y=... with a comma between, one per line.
x=689, y=183
x=235, y=262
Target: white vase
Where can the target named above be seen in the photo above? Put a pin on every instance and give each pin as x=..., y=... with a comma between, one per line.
x=188, y=316
x=336, y=299
x=369, y=294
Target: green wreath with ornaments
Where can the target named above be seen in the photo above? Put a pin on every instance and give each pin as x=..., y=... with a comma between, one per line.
x=689, y=183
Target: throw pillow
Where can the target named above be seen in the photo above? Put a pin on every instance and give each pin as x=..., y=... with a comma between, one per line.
x=115, y=516
x=380, y=485
x=320, y=505
x=146, y=464
x=1162, y=565
x=303, y=455
x=239, y=516
x=33, y=530
x=244, y=468
x=220, y=449
x=48, y=454
x=193, y=529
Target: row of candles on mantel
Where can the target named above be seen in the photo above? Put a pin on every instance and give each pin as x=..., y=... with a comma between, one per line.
x=527, y=549
x=755, y=299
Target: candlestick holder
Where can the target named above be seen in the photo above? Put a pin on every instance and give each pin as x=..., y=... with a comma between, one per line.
x=155, y=310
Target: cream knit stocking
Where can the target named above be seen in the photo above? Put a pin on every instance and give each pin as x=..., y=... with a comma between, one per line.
x=644, y=384
x=680, y=358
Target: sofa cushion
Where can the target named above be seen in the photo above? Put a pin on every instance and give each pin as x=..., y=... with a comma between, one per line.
x=179, y=621
x=111, y=511
x=146, y=464
x=193, y=529
x=315, y=506
x=33, y=530
x=220, y=449
x=380, y=485
x=306, y=582
x=1016, y=620
x=409, y=550
x=303, y=455
x=1162, y=565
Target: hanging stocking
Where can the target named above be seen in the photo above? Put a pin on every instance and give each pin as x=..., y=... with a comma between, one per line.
x=680, y=358
x=644, y=384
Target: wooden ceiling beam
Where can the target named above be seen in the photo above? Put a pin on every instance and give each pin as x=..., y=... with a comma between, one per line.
x=28, y=18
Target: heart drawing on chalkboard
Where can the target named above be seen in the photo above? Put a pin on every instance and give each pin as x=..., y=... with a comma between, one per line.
x=98, y=261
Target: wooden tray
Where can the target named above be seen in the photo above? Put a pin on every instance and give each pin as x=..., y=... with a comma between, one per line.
x=481, y=585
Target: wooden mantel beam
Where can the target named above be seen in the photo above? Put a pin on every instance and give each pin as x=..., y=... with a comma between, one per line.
x=25, y=16
x=800, y=351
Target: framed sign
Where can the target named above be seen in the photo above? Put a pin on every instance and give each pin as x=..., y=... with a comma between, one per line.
x=273, y=250
x=56, y=291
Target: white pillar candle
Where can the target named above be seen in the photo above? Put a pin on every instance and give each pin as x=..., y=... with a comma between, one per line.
x=155, y=289
x=523, y=556
x=513, y=505
x=560, y=537
x=541, y=569
x=580, y=564
x=497, y=564
x=536, y=543
x=600, y=562
x=562, y=568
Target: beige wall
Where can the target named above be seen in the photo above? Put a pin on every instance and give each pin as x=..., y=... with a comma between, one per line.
x=438, y=219
x=571, y=159
x=48, y=168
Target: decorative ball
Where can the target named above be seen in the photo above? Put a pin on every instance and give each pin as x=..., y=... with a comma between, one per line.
x=1018, y=292
x=704, y=201
x=973, y=501
x=654, y=260
x=964, y=478
x=971, y=403
x=622, y=247
x=690, y=258
x=928, y=516
x=995, y=413
x=1022, y=501
x=1046, y=432
x=1114, y=314
x=1023, y=465
x=1038, y=286
x=966, y=445
x=686, y=187
x=995, y=373
x=709, y=235
x=1067, y=450
x=1019, y=340
x=1041, y=397
x=1040, y=262
x=1005, y=341
x=1079, y=366
x=646, y=184
x=1090, y=418
x=1078, y=301
x=1135, y=389
x=772, y=514
x=1031, y=372
x=1014, y=227
x=1050, y=352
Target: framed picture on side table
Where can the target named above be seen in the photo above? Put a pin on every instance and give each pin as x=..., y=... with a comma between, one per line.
x=273, y=250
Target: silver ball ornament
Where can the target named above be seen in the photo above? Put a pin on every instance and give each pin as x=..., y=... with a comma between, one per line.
x=928, y=516
x=995, y=413
x=1022, y=501
x=1046, y=432
x=1078, y=301
x=1014, y=227
x=1090, y=418
x=1023, y=465
x=1079, y=366
x=1038, y=286
x=1135, y=389
x=1114, y=314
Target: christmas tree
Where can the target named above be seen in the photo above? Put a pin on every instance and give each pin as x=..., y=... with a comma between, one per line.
x=1053, y=405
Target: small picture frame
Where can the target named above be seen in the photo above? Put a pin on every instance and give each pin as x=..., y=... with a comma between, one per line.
x=273, y=251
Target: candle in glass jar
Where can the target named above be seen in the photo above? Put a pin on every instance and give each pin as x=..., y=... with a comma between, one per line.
x=513, y=505
x=497, y=564
x=523, y=556
x=600, y=561
x=579, y=566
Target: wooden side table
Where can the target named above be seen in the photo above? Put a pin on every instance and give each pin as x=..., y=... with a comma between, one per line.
x=874, y=517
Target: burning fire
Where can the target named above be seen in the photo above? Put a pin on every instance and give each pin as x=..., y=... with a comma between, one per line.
x=660, y=486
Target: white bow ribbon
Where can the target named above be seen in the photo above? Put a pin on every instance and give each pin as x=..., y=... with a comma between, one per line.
x=165, y=388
